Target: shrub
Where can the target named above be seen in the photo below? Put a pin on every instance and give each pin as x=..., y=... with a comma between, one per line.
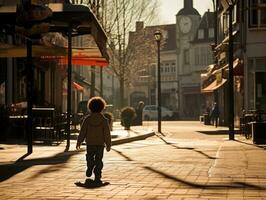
x=127, y=116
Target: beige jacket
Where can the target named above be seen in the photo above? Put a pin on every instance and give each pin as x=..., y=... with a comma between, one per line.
x=95, y=130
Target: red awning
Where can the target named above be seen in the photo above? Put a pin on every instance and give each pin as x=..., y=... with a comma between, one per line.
x=78, y=87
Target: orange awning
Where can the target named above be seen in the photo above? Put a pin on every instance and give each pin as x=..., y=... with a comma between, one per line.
x=213, y=86
x=238, y=68
x=80, y=56
x=225, y=41
x=85, y=61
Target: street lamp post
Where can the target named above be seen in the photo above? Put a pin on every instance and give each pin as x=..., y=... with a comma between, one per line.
x=231, y=78
x=230, y=4
x=158, y=36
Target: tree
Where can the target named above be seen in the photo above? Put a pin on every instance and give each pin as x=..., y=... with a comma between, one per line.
x=119, y=19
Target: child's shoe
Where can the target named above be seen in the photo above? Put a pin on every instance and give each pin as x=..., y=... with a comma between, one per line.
x=88, y=173
x=98, y=181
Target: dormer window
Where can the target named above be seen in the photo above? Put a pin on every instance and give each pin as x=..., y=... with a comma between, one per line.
x=211, y=32
x=165, y=34
x=200, y=34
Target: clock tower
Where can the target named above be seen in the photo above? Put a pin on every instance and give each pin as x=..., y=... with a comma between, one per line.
x=187, y=22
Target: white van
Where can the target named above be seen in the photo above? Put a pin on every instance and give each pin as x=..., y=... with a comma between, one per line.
x=150, y=112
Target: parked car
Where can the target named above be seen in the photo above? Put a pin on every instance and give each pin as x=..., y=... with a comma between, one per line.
x=150, y=112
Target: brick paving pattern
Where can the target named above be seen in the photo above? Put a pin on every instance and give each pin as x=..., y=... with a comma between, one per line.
x=195, y=166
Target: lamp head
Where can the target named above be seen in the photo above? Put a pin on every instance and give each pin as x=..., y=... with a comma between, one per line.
x=158, y=36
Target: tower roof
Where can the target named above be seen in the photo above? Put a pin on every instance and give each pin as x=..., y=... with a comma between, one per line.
x=188, y=9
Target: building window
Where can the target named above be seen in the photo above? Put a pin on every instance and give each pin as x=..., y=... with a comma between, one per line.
x=162, y=68
x=211, y=32
x=165, y=34
x=200, y=34
x=173, y=67
x=202, y=56
x=186, y=57
x=166, y=68
x=257, y=13
x=225, y=21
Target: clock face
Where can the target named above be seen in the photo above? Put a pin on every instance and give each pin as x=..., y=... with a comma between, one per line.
x=185, y=24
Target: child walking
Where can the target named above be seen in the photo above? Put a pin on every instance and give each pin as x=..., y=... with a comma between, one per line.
x=96, y=132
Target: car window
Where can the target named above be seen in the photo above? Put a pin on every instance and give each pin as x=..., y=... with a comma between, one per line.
x=154, y=108
x=165, y=109
x=148, y=108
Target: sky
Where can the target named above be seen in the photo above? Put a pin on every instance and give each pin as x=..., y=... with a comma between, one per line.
x=169, y=8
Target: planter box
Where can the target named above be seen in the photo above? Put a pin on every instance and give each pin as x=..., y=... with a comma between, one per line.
x=258, y=132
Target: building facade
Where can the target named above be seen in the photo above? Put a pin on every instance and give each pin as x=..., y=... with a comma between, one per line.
x=254, y=54
x=193, y=37
x=248, y=56
x=144, y=83
x=49, y=55
x=203, y=56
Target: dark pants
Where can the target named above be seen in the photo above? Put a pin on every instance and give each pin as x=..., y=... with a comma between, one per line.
x=215, y=121
x=94, y=159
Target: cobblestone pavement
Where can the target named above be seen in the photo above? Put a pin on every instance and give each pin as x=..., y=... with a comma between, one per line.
x=193, y=166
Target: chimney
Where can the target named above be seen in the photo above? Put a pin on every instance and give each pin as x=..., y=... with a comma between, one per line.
x=139, y=26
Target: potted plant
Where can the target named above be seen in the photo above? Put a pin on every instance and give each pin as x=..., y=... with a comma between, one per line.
x=110, y=118
x=127, y=116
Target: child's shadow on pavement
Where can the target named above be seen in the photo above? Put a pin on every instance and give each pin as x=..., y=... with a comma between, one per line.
x=89, y=183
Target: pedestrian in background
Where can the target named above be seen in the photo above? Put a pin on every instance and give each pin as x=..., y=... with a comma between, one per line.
x=96, y=132
x=139, y=110
x=215, y=114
